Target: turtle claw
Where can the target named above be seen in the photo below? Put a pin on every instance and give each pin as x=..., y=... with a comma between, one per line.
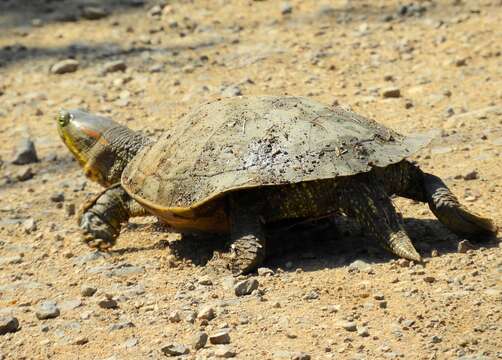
x=246, y=254
x=97, y=233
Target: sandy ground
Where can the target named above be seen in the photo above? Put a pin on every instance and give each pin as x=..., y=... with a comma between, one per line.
x=317, y=302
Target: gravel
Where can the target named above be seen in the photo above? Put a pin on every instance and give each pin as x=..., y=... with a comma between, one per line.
x=246, y=287
x=65, y=66
x=47, y=310
x=25, y=153
x=199, y=340
x=220, y=337
x=8, y=324
x=175, y=350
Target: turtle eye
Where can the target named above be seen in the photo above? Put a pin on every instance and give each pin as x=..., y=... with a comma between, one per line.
x=63, y=118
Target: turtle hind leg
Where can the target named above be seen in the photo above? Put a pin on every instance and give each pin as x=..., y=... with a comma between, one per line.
x=407, y=180
x=247, y=237
x=451, y=213
x=366, y=200
x=101, y=217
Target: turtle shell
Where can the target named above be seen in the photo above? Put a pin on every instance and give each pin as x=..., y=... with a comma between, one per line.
x=254, y=141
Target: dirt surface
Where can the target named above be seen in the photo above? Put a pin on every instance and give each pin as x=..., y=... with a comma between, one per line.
x=430, y=65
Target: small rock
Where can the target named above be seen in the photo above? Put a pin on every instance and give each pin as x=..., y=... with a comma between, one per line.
x=175, y=350
x=206, y=313
x=25, y=174
x=382, y=304
x=174, y=317
x=286, y=8
x=471, y=175
x=300, y=356
x=47, y=310
x=461, y=62
x=224, y=351
x=65, y=66
x=199, y=340
x=429, y=279
x=403, y=262
x=131, y=342
x=379, y=296
x=155, y=11
x=436, y=339
x=263, y=271
x=311, y=295
x=231, y=91
x=114, y=66
x=25, y=153
x=8, y=324
x=363, y=332
x=81, y=341
x=94, y=12
x=464, y=246
x=205, y=280
x=108, y=303
x=246, y=287
x=360, y=265
x=29, y=225
x=348, y=325
x=220, y=337
x=11, y=260
x=87, y=290
x=391, y=92
x=69, y=209
x=57, y=197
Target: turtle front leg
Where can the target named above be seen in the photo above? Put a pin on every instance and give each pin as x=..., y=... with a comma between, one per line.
x=247, y=237
x=364, y=198
x=407, y=180
x=102, y=217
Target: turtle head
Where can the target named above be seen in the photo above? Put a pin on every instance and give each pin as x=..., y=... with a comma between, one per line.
x=101, y=146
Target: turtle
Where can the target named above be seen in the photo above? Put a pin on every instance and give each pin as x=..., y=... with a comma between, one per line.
x=242, y=165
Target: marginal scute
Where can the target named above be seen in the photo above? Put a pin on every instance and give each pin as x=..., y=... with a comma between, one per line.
x=245, y=142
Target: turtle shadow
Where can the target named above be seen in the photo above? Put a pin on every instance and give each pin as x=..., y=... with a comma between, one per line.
x=327, y=244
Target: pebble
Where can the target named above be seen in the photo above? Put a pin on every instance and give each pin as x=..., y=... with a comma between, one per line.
x=25, y=174
x=363, y=332
x=464, y=245
x=206, y=313
x=47, y=310
x=8, y=324
x=231, y=91
x=360, y=265
x=286, y=8
x=174, y=317
x=199, y=340
x=263, y=271
x=57, y=197
x=65, y=66
x=25, y=153
x=224, y=351
x=429, y=279
x=300, y=356
x=174, y=350
x=471, y=175
x=81, y=341
x=94, y=12
x=246, y=287
x=391, y=92
x=348, y=325
x=220, y=337
x=114, y=66
x=205, y=280
x=107, y=303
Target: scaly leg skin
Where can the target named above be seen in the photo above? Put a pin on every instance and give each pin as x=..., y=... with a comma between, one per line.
x=102, y=217
x=407, y=180
x=365, y=199
x=451, y=213
x=248, y=244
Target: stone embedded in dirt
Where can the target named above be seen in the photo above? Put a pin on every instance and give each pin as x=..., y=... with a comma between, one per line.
x=464, y=245
x=199, y=340
x=348, y=325
x=108, y=303
x=174, y=317
x=11, y=260
x=114, y=66
x=94, y=12
x=30, y=225
x=69, y=209
x=246, y=287
x=155, y=10
x=25, y=174
x=263, y=271
x=8, y=324
x=231, y=91
x=81, y=340
x=360, y=265
x=363, y=331
x=379, y=296
x=131, y=342
x=471, y=175
x=65, y=66
x=25, y=152
x=382, y=304
x=224, y=351
x=403, y=263
x=206, y=313
x=122, y=325
x=391, y=92
x=311, y=295
x=286, y=8
x=174, y=350
x=205, y=280
x=47, y=310
x=220, y=337
x=429, y=279
x=300, y=356
x=57, y=197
